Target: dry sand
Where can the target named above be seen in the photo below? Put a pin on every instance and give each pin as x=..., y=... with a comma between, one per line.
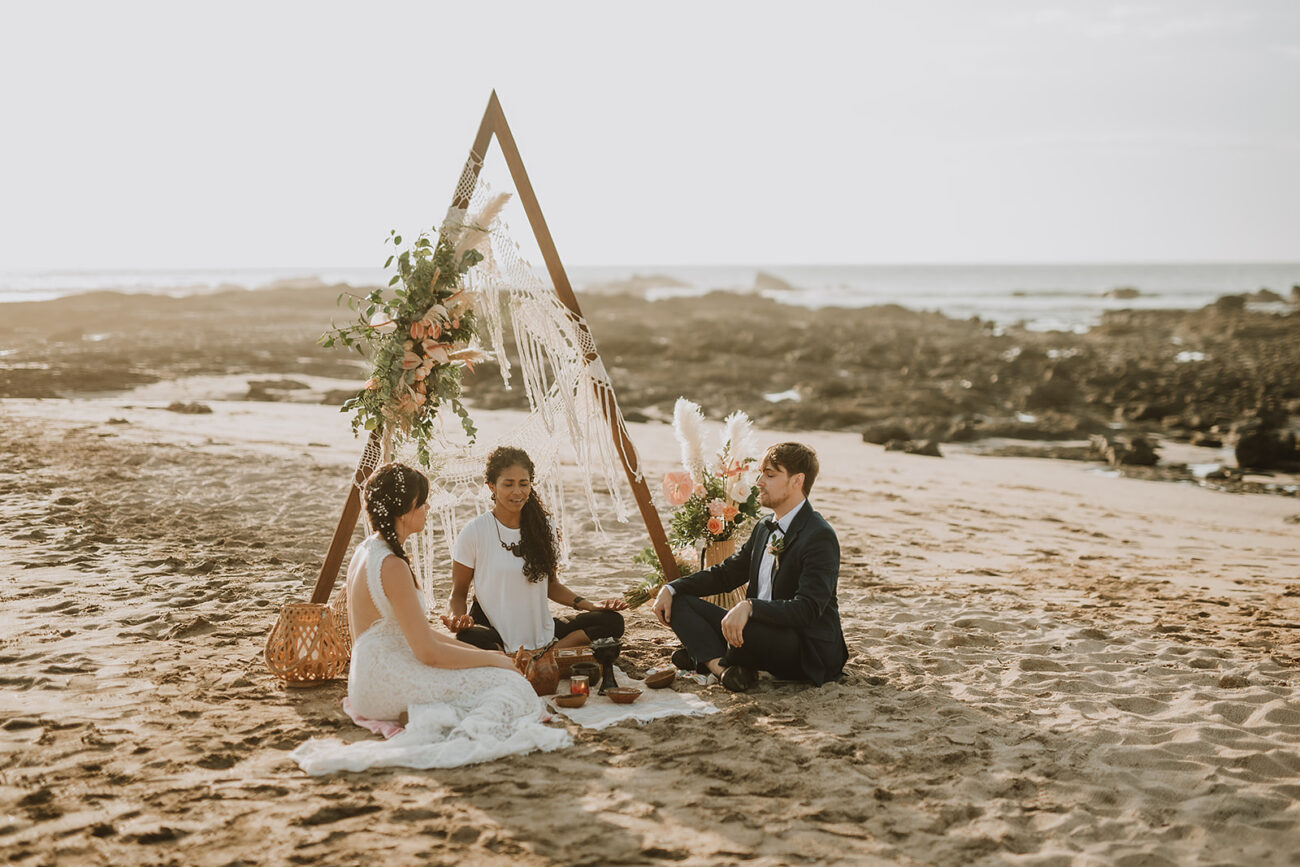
x=1049, y=666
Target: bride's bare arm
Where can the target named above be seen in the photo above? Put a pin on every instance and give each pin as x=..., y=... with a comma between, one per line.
x=429, y=647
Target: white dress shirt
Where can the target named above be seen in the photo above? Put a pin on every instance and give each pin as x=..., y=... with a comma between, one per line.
x=767, y=566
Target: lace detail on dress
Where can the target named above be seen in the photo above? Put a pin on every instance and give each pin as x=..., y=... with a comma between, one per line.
x=457, y=716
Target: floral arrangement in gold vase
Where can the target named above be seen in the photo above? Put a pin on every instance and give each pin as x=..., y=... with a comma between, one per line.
x=714, y=495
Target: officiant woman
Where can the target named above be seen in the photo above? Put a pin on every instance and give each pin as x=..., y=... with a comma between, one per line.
x=509, y=556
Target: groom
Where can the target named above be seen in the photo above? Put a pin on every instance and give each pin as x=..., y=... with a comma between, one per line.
x=789, y=624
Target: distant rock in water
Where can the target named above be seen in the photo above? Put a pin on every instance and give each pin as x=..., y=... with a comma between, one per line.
x=765, y=282
x=189, y=408
x=1265, y=296
x=1295, y=294
x=1123, y=293
x=638, y=284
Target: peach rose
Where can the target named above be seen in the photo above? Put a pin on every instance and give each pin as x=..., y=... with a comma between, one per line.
x=730, y=511
x=716, y=507
x=716, y=525
x=677, y=488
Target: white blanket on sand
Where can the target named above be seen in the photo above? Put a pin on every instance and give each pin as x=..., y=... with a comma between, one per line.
x=600, y=712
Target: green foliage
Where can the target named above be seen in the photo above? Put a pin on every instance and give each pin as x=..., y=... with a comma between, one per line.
x=416, y=333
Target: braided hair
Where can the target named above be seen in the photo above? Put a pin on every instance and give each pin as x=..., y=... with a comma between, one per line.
x=536, y=539
x=392, y=491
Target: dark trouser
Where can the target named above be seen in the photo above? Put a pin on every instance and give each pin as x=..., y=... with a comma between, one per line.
x=597, y=624
x=768, y=648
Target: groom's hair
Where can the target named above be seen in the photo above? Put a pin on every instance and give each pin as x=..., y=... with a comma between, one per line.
x=794, y=458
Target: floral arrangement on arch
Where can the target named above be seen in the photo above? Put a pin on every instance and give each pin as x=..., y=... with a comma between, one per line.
x=714, y=495
x=421, y=336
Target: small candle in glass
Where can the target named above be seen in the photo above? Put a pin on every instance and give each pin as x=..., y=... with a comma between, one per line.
x=579, y=685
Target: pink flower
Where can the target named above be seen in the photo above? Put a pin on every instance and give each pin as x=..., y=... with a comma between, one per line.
x=410, y=360
x=417, y=330
x=438, y=353
x=717, y=507
x=420, y=388
x=371, y=384
x=730, y=511
x=716, y=525
x=432, y=329
x=421, y=372
x=699, y=490
x=419, y=398
x=677, y=488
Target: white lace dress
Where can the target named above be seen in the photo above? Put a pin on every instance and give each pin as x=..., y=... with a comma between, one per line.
x=456, y=716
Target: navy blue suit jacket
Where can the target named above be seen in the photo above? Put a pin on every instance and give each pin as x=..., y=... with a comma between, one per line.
x=803, y=589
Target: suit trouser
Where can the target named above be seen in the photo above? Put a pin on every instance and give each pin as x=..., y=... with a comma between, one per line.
x=601, y=623
x=767, y=647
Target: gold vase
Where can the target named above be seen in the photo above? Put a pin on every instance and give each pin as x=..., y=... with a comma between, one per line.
x=716, y=552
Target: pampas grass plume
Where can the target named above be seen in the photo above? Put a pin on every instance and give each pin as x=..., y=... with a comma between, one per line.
x=688, y=424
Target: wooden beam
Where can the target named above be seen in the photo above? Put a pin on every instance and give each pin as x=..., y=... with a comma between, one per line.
x=626, y=451
x=494, y=123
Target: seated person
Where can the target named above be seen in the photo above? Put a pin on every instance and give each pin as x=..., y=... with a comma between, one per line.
x=789, y=624
x=509, y=556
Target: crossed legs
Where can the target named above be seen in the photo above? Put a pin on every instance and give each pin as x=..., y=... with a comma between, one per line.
x=766, y=648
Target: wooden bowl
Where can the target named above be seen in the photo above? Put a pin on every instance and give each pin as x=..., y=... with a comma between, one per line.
x=623, y=694
x=658, y=678
x=571, y=700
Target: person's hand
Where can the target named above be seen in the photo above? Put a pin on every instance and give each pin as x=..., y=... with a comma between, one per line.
x=733, y=622
x=664, y=605
x=457, y=622
x=617, y=603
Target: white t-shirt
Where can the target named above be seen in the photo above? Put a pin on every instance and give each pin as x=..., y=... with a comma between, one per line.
x=518, y=609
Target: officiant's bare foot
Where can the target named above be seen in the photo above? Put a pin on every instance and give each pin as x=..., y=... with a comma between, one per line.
x=403, y=719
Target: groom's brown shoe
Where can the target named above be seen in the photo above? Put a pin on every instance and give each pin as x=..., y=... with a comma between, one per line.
x=738, y=678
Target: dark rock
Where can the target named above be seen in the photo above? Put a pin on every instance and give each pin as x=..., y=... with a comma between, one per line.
x=765, y=282
x=1263, y=449
x=1230, y=304
x=1208, y=440
x=189, y=408
x=897, y=445
x=883, y=433
x=338, y=396
x=929, y=448
x=1265, y=296
x=1136, y=451
x=1055, y=392
x=1122, y=292
x=1295, y=294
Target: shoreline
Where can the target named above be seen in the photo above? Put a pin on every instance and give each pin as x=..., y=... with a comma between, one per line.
x=1205, y=378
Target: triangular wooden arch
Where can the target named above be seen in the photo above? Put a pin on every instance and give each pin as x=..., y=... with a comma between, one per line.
x=494, y=124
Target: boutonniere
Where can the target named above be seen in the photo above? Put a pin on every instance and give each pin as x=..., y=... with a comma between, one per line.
x=776, y=544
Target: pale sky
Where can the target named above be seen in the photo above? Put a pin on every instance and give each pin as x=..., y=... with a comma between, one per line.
x=178, y=135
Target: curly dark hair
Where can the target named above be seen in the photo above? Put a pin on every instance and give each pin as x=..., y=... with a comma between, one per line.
x=391, y=491
x=536, y=540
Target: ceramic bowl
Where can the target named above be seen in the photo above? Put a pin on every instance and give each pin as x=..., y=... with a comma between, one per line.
x=570, y=700
x=658, y=678
x=623, y=694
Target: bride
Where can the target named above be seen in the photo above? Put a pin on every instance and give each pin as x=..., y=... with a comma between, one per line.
x=464, y=704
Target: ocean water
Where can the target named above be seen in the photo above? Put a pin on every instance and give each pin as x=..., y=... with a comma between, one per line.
x=1044, y=297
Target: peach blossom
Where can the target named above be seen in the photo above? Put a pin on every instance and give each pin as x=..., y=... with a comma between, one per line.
x=677, y=488
x=715, y=525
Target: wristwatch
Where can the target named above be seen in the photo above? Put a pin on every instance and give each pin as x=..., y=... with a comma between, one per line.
x=576, y=600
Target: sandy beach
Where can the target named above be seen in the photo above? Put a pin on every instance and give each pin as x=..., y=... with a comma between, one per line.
x=1049, y=664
